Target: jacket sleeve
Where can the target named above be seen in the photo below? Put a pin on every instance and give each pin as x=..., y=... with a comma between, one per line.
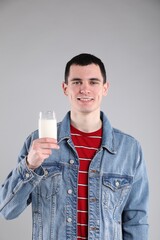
x=15, y=192
x=135, y=218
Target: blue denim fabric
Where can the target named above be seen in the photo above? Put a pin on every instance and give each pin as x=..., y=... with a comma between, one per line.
x=118, y=189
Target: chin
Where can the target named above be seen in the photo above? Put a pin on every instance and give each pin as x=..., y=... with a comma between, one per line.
x=87, y=110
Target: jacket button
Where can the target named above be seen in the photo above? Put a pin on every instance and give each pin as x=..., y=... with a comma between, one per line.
x=71, y=161
x=45, y=172
x=93, y=228
x=117, y=184
x=69, y=220
x=27, y=175
x=69, y=191
x=93, y=200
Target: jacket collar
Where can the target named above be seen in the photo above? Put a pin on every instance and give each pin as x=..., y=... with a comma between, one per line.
x=108, y=138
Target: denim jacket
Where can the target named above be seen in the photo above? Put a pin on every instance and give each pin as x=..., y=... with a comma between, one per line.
x=117, y=183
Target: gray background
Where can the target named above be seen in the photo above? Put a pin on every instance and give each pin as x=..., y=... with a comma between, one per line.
x=38, y=37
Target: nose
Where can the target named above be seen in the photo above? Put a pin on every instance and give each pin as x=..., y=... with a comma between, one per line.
x=84, y=91
x=84, y=88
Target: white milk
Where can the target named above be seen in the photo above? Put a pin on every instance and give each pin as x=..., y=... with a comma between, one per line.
x=47, y=128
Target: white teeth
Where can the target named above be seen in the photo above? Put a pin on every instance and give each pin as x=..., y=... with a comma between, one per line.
x=85, y=99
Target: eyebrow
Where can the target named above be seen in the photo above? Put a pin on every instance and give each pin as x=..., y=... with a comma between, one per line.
x=75, y=79
x=95, y=79
x=90, y=79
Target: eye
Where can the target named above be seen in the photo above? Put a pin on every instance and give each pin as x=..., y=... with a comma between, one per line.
x=93, y=82
x=77, y=82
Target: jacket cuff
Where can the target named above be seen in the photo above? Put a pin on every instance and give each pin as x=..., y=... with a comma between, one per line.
x=29, y=174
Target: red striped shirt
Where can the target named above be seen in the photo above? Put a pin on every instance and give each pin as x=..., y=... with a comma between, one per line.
x=86, y=145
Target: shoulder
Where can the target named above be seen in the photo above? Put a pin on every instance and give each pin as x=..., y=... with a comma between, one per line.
x=122, y=134
x=125, y=138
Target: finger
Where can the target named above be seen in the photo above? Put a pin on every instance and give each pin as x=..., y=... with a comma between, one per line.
x=46, y=140
x=46, y=152
x=48, y=146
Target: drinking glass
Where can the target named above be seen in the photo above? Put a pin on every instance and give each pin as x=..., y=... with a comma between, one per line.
x=47, y=124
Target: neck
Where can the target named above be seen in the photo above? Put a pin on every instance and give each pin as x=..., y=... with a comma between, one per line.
x=86, y=122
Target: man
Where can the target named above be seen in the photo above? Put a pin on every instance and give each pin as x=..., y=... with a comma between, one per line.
x=91, y=182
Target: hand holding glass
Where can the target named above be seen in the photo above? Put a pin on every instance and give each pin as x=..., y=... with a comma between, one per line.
x=47, y=125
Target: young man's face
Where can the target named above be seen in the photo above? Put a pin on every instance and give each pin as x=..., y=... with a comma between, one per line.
x=85, y=88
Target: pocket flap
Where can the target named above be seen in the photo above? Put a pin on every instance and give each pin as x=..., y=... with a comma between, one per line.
x=116, y=181
x=52, y=170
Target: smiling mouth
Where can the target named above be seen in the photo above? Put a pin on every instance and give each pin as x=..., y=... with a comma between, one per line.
x=85, y=99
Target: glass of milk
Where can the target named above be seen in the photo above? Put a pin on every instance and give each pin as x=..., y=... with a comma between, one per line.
x=47, y=125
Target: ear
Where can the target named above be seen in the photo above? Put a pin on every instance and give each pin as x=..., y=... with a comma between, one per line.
x=64, y=87
x=105, y=88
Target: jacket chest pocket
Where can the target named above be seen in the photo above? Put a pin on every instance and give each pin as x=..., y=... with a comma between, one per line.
x=115, y=188
x=50, y=184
